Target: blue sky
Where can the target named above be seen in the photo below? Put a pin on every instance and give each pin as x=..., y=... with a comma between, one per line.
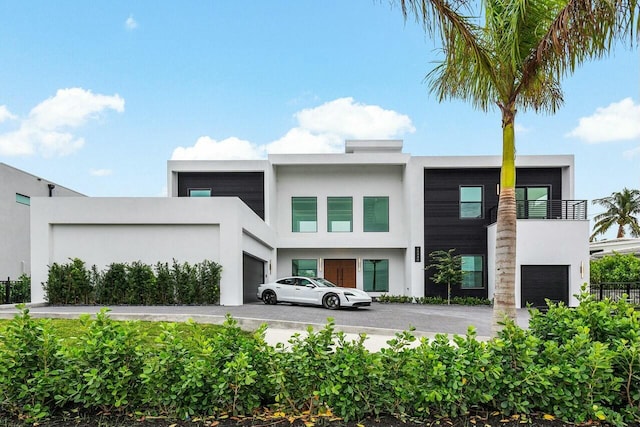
x=98, y=96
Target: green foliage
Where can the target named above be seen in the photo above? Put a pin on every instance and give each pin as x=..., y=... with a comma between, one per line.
x=31, y=367
x=616, y=268
x=403, y=299
x=105, y=366
x=68, y=283
x=136, y=283
x=577, y=364
x=448, y=269
x=20, y=290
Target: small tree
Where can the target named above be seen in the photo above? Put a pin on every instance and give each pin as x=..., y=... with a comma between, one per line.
x=448, y=269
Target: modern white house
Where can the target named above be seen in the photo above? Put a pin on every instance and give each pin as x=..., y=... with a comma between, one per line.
x=623, y=245
x=365, y=218
x=17, y=188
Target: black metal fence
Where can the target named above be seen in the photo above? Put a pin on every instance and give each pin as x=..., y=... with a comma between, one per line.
x=15, y=291
x=615, y=291
x=547, y=209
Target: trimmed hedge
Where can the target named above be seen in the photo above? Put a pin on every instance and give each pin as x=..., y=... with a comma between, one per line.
x=404, y=299
x=136, y=283
x=576, y=364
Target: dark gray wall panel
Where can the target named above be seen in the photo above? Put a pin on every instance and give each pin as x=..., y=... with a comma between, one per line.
x=252, y=276
x=248, y=186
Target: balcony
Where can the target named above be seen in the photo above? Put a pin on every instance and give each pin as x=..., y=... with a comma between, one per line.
x=547, y=209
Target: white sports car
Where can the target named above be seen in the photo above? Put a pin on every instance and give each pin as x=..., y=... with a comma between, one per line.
x=312, y=290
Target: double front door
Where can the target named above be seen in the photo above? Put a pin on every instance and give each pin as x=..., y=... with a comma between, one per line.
x=342, y=272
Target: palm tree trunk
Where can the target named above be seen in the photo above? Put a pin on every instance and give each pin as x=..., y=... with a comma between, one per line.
x=504, y=292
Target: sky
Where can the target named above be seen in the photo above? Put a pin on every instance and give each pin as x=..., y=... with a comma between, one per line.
x=97, y=96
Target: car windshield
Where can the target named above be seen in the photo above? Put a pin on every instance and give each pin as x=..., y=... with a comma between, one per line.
x=324, y=282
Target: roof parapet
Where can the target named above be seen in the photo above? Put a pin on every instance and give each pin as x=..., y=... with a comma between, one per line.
x=373, y=146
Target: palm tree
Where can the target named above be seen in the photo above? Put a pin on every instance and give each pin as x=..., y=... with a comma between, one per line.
x=622, y=209
x=513, y=55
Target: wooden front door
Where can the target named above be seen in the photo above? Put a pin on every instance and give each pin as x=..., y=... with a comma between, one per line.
x=342, y=272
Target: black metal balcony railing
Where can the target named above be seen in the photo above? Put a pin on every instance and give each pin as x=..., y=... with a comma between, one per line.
x=547, y=209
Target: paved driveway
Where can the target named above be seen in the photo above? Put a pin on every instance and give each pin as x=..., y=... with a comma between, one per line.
x=379, y=319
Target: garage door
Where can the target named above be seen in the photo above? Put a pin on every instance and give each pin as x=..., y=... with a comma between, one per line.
x=252, y=276
x=544, y=281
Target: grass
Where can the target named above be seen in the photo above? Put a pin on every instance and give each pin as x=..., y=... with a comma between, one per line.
x=68, y=330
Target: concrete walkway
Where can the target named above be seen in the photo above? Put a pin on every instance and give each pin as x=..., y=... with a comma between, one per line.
x=379, y=322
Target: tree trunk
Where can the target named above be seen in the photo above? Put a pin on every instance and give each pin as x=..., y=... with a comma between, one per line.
x=504, y=293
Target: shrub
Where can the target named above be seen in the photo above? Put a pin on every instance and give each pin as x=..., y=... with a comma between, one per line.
x=21, y=290
x=615, y=268
x=68, y=283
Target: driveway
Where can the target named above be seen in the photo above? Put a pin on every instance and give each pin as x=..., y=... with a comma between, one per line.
x=379, y=319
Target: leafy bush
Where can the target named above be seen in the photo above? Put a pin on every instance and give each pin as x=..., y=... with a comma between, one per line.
x=20, y=290
x=615, y=268
x=136, y=283
x=577, y=364
x=403, y=299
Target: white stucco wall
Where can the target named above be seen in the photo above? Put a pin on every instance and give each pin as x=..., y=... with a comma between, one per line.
x=547, y=242
x=104, y=230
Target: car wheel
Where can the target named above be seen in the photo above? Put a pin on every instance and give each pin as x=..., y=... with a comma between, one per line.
x=269, y=297
x=331, y=301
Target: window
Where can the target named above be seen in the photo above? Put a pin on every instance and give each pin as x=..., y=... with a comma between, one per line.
x=471, y=202
x=305, y=267
x=23, y=200
x=532, y=202
x=376, y=275
x=200, y=192
x=339, y=214
x=472, y=271
x=304, y=212
x=376, y=214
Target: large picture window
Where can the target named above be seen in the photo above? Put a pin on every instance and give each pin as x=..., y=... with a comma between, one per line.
x=305, y=267
x=304, y=213
x=472, y=271
x=376, y=275
x=376, y=214
x=339, y=214
x=471, y=202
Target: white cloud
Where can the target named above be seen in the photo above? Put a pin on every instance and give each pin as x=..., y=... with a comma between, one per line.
x=321, y=129
x=47, y=129
x=130, y=23
x=617, y=122
x=5, y=114
x=228, y=149
x=100, y=172
x=520, y=129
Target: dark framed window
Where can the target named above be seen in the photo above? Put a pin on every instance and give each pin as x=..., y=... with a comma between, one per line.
x=532, y=202
x=304, y=267
x=304, y=214
x=472, y=271
x=376, y=275
x=471, y=205
x=199, y=192
x=376, y=214
x=339, y=214
x=23, y=200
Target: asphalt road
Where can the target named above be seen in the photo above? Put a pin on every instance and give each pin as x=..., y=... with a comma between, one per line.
x=379, y=319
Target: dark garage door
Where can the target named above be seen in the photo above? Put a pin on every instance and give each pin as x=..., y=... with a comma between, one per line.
x=252, y=276
x=538, y=282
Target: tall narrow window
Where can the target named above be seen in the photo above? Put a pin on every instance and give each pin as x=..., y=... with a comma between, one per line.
x=199, y=192
x=376, y=214
x=304, y=267
x=376, y=275
x=472, y=271
x=22, y=199
x=304, y=214
x=471, y=202
x=339, y=214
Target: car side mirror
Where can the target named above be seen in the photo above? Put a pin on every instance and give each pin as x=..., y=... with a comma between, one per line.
x=310, y=285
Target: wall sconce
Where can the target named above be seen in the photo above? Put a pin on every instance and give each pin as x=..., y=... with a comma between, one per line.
x=269, y=266
x=359, y=264
x=497, y=189
x=320, y=265
x=582, y=269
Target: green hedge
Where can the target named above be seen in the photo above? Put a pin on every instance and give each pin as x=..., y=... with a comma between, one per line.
x=575, y=364
x=404, y=299
x=136, y=283
x=615, y=268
